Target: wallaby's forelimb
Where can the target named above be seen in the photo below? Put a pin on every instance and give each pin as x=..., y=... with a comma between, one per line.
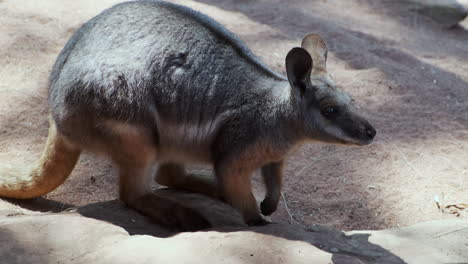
x=51, y=170
x=272, y=174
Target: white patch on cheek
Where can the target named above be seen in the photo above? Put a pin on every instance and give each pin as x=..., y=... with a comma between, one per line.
x=336, y=132
x=333, y=133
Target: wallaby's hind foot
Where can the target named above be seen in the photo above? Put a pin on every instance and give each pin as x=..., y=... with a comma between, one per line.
x=135, y=159
x=174, y=175
x=51, y=170
x=170, y=213
x=135, y=191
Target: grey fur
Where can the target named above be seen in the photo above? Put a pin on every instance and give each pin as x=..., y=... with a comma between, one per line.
x=188, y=82
x=124, y=65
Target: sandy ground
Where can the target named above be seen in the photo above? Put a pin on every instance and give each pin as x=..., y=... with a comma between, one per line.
x=409, y=75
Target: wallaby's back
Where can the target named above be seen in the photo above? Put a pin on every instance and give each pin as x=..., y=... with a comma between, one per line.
x=145, y=54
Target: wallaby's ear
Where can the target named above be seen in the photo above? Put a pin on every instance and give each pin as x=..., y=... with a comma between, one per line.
x=317, y=48
x=298, y=68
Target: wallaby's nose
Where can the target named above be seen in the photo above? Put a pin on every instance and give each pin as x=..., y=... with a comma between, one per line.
x=370, y=131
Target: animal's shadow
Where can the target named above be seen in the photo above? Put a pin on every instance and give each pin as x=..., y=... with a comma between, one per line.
x=344, y=248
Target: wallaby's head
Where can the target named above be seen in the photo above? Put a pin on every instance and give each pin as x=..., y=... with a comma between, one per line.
x=326, y=113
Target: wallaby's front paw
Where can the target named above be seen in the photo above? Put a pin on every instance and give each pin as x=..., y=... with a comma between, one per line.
x=268, y=206
x=257, y=222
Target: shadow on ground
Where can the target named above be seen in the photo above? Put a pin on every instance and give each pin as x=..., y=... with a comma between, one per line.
x=344, y=248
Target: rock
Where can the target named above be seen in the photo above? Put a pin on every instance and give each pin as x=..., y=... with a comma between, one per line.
x=448, y=13
x=112, y=233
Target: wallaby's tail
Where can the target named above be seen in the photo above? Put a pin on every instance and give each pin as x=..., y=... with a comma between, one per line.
x=50, y=171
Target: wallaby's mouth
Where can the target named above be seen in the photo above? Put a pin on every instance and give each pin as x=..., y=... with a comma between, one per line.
x=354, y=142
x=364, y=142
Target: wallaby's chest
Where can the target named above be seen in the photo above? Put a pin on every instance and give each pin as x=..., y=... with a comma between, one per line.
x=186, y=142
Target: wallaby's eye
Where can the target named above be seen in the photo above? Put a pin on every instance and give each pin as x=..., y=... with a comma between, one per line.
x=329, y=111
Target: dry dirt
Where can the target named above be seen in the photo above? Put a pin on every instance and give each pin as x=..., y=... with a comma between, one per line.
x=409, y=75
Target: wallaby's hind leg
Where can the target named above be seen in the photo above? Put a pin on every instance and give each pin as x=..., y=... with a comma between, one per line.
x=135, y=191
x=272, y=174
x=135, y=157
x=134, y=182
x=174, y=175
x=51, y=170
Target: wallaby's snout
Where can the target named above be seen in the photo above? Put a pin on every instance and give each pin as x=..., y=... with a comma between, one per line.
x=347, y=127
x=370, y=132
x=364, y=134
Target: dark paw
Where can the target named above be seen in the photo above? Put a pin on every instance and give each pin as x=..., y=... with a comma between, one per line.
x=257, y=222
x=268, y=206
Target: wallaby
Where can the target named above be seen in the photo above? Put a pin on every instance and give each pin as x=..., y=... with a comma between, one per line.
x=152, y=82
